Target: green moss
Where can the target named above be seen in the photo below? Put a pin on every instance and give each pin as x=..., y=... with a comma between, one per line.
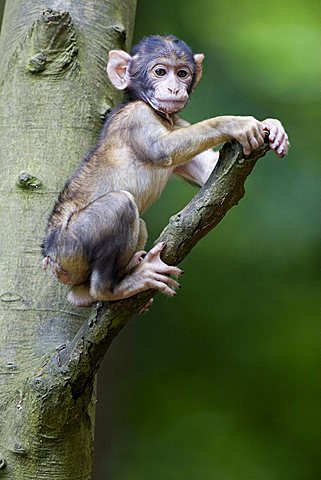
x=38, y=62
x=26, y=181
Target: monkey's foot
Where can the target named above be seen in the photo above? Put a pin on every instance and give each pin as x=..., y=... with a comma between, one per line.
x=149, y=273
x=155, y=273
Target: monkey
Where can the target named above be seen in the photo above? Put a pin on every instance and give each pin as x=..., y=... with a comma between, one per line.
x=95, y=237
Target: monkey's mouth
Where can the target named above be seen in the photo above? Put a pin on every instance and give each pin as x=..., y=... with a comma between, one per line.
x=170, y=105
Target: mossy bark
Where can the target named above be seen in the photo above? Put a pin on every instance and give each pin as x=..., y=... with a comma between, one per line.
x=54, y=95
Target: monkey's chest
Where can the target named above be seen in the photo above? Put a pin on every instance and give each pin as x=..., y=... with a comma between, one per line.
x=147, y=184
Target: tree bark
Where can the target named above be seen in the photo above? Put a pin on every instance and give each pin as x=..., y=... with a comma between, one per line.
x=54, y=95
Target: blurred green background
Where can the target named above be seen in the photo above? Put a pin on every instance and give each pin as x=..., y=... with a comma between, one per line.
x=223, y=382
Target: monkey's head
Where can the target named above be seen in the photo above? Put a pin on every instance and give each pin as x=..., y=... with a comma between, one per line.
x=160, y=70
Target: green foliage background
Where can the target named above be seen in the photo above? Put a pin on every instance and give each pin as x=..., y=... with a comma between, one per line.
x=223, y=382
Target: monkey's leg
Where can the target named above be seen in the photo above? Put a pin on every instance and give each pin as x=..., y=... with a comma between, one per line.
x=142, y=238
x=110, y=232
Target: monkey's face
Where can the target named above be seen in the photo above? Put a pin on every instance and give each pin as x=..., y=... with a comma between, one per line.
x=169, y=84
x=161, y=71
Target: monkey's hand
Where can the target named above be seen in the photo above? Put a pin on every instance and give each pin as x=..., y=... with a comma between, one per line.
x=248, y=131
x=251, y=134
x=152, y=272
x=277, y=136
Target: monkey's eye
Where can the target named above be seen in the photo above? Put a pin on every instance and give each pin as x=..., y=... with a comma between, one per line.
x=160, y=72
x=182, y=73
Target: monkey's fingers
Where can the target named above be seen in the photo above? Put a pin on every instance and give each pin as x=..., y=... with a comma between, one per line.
x=161, y=267
x=170, y=269
x=153, y=259
x=137, y=259
x=259, y=134
x=163, y=287
x=253, y=141
x=170, y=282
x=139, y=256
x=280, y=145
x=277, y=136
x=155, y=251
x=244, y=141
x=270, y=126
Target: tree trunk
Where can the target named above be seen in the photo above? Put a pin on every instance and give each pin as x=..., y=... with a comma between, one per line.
x=53, y=97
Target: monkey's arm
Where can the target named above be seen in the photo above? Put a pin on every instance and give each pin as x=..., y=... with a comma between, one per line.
x=181, y=145
x=171, y=148
x=200, y=167
x=197, y=170
x=248, y=131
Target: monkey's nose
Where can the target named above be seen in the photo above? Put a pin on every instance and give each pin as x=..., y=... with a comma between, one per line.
x=173, y=90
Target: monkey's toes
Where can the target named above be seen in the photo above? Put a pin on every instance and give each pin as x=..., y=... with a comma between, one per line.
x=174, y=271
x=137, y=258
x=156, y=250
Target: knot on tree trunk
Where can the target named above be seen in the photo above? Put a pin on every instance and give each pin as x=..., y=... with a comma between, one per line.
x=52, y=44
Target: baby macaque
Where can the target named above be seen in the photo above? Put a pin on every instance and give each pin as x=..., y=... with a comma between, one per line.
x=95, y=237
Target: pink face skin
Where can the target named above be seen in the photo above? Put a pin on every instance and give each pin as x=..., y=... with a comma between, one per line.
x=171, y=82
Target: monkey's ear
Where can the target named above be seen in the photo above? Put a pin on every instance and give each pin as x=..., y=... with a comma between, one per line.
x=199, y=57
x=117, y=68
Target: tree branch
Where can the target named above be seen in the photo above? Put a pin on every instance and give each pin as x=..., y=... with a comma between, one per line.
x=224, y=188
